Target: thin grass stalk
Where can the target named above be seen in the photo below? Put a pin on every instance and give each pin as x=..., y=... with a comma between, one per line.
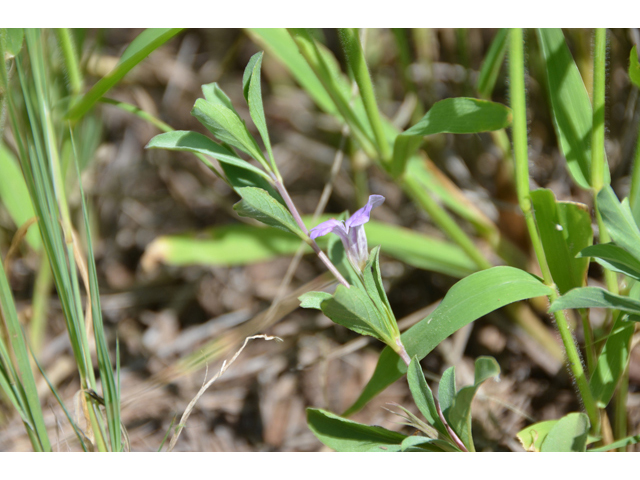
x=634, y=192
x=65, y=40
x=520, y=147
x=310, y=51
x=23, y=375
x=358, y=65
x=39, y=304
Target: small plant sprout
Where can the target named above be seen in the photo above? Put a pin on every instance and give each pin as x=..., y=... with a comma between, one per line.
x=351, y=232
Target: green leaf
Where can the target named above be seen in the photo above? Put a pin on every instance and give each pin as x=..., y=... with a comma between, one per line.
x=137, y=51
x=452, y=115
x=617, y=444
x=280, y=45
x=447, y=390
x=258, y=204
x=469, y=299
x=570, y=106
x=228, y=245
x=634, y=66
x=532, y=436
x=611, y=256
x=569, y=434
x=253, y=94
x=313, y=299
x=619, y=221
x=492, y=64
x=194, y=142
x=352, y=308
x=214, y=94
x=459, y=415
x=13, y=39
x=422, y=444
x=565, y=229
x=595, y=297
x=228, y=127
x=345, y=435
x=422, y=395
x=372, y=281
x=612, y=361
x=15, y=196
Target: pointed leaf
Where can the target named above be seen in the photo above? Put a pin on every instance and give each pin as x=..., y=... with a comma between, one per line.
x=253, y=95
x=469, y=299
x=570, y=105
x=214, y=94
x=619, y=221
x=197, y=143
x=227, y=126
x=568, y=435
x=565, y=229
x=532, y=436
x=422, y=395
x=313, y=299
x=611, y=256
x=594, y=297
x=348, y=436
x=257, y=203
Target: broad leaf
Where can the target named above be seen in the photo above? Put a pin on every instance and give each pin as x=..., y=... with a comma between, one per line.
x=570, y=105
x=214, y=94
x=13, y=38
x=532, y=436
x=469, y=299
x=569, y=434
x=138, y=50
x=452, y=115
x=565, y=229
x=258, y=204
x=348, y=436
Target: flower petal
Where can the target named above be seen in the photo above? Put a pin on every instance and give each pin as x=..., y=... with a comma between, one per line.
x=331, y=225
x=362, y=216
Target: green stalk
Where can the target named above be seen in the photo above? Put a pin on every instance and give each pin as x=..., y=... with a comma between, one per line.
x=65, y=40
x=443, y=220
x=41, y=290
x=358, y=66
x=634, y=192
x=310, y=51
x=520, y=146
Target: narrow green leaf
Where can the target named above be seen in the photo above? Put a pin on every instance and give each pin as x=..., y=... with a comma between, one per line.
x=619, y=221
x=532, y=436
x=137, y=51
x=258, y=204
x=570, y=105
x=612, y=361
x=617, y=444
x=15, y=196
x=459, y=415
x=492, y=64
x=345, y=435
x=313, y=299
x=569, y=434
x=214, y=94
x=611, y=256
x=194, y=142
x=594, y=297
x=423, y=396
x=634, y=66
x=469, y=299
x=352, y=308
x=452, y=115
x=253, y=95
x=447, y=390
x=565, y=229
x=228, y=127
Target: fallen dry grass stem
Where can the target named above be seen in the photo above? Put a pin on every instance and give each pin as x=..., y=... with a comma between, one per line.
x=225, y=366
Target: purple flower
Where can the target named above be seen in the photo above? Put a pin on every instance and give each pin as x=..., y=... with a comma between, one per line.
x=351, y=232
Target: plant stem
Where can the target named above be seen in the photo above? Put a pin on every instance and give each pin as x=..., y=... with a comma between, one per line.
x=520, y=146
x=312, y=243
x=358, y=65
x=65, y=40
